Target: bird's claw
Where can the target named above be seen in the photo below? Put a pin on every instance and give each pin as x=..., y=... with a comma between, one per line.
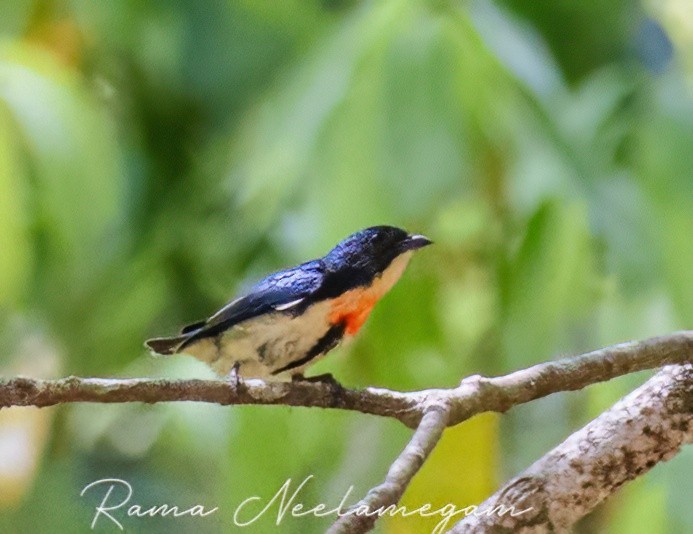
x=234, y=376
x=325, y=378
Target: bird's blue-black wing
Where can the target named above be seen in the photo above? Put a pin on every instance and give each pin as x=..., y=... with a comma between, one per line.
x=280, y=291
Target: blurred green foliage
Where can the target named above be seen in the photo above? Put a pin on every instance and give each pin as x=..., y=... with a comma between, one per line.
x=157, y=157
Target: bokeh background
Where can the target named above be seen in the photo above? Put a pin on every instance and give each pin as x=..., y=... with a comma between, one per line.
x=157, y=157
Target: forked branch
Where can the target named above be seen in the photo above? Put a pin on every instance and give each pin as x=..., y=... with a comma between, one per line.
x=428, y=411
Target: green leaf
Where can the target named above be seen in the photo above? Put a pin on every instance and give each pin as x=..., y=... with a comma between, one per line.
x=548, y=285
x=583, y=36
x=74, y=158
x=16, y=251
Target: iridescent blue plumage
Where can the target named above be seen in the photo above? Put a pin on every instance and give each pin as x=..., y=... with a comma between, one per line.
x=266, y=296
x=371, y=249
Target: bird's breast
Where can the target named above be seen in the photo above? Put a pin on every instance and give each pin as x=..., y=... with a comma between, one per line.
x=353, y=307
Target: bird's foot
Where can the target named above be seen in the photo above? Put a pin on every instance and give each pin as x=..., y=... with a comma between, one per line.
x=234, y=378
x=325, y=378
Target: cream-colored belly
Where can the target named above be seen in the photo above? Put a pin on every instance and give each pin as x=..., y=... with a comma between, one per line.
x=264, y=344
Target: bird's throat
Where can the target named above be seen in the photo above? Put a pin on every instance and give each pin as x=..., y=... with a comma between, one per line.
x=353, y=307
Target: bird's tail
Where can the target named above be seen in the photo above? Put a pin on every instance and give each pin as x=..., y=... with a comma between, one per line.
x=166, y=345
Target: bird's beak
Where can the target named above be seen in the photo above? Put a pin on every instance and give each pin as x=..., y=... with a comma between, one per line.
x=416, y=241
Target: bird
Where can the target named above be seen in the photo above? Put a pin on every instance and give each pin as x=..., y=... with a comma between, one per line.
x=292, y=318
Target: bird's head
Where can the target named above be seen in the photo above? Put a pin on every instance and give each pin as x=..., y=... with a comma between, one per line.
x=370, y=252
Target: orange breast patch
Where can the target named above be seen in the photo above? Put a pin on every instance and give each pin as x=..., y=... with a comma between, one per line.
x=352, y=308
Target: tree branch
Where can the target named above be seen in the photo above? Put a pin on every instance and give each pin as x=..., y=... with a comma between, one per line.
x=428, y=411
x=474, y=395
x=646, y=427
x=362, y=516
x=35, y=392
